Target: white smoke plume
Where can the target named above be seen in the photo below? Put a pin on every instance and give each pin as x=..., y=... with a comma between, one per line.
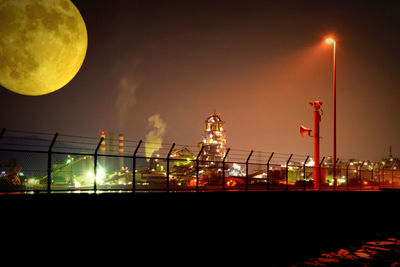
x=126, y=99
x=154, y=136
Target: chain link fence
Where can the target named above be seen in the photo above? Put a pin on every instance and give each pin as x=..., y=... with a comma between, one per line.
x=33, y=162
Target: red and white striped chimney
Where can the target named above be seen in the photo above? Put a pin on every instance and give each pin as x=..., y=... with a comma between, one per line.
x=121, y=150
x=103, y=143
x=121, y=144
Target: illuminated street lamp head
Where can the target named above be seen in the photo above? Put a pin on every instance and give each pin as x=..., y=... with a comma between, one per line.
x=330, y=40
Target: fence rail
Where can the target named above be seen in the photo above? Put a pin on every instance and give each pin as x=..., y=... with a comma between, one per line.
x=64, y=164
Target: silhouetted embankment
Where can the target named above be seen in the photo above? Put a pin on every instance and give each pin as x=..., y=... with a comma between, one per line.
x=275, y=227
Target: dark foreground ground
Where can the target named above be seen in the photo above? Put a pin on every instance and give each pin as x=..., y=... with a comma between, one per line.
x=268, y=228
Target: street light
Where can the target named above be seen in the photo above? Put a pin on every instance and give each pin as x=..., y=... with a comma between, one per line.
x=331, y=40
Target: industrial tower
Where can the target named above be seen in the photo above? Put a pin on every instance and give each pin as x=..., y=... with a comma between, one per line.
x=214, y=140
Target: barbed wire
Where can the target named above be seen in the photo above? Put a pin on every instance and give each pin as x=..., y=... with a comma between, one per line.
x=64, y=140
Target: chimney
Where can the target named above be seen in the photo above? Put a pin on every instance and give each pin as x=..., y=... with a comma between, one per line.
x=121, y=150
x=103, y=143
x=111, y=144
x=103, y=149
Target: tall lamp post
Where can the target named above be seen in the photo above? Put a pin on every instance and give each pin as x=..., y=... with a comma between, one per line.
x=330, y=40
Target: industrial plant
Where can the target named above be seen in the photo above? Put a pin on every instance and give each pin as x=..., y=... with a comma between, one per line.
x=114, y=164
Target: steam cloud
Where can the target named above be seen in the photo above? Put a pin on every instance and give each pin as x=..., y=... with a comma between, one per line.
x=154, y=136
x=126, y=99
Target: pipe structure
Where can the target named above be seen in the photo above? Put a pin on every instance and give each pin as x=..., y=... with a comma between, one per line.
x=223, y=170
x=134, y=167
x=197, y=168
x=247, y=170
x=268, y=178
x=317, y=120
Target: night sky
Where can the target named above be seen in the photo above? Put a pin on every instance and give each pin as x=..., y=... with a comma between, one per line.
x=258, y=63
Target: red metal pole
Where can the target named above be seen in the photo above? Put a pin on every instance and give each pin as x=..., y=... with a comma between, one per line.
x=317, y=119
x=316, y=149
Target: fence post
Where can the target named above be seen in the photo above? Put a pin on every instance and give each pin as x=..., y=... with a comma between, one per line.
x=169, y=154
x=223, y=170
x=347, y=175
x=95, y=165
x=319, y=173
x=197, y=168
x=2, y=133
x=270, y=157
x=383, y=174
x=360, y=174
x=372, y=176
x=287, y=172
x=304, y=172
x=379, y=175
x=49, y=163
x=134, y=168
x=393, y=166
x=247, y=171
x=335, y=173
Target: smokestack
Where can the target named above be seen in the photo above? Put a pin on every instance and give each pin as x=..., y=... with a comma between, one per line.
x=103, y=143
x=121, y=144
x=111, y=144
x=103, y=148
x=121, y=150
x=111, y=160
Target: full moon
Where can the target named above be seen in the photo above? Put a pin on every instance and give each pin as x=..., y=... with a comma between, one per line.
x=42, y=45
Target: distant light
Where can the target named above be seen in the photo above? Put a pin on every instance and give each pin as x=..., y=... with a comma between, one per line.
x=329, y=40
